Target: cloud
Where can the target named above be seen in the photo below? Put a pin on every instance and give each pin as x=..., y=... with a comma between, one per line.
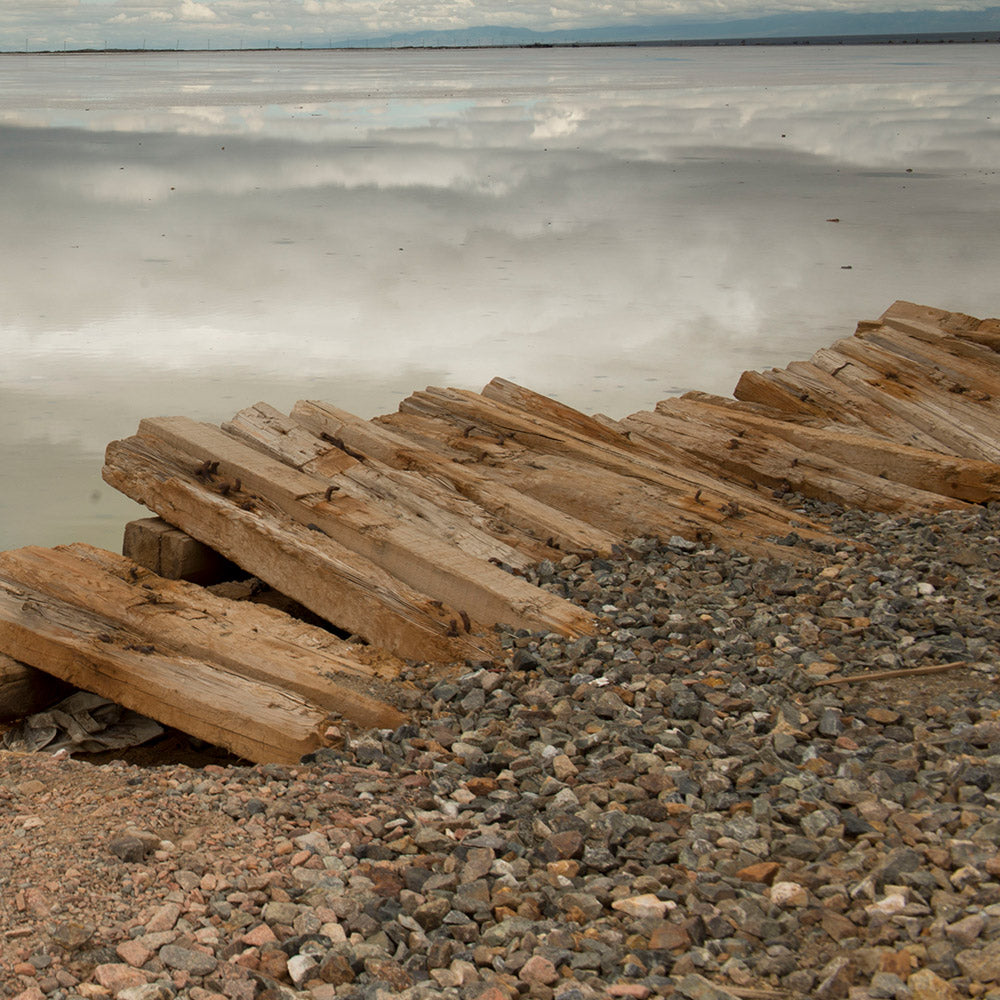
x=558, y=122
x=146, y=17
x=191, y=11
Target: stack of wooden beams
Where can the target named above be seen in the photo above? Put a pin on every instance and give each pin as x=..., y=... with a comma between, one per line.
x=902, y=417
x=413, y=531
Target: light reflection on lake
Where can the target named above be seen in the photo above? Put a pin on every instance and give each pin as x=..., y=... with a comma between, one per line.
x=189, y=233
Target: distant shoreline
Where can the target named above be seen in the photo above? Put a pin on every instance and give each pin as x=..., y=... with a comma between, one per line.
x=899, y=38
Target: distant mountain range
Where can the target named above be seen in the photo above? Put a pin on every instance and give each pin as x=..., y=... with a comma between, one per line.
x=775, y=26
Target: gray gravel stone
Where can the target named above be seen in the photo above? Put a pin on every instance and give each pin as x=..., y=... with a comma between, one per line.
x=687, y=755
x=198, y=963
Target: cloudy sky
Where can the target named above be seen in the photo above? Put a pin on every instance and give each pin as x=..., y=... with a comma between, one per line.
x=55, y=24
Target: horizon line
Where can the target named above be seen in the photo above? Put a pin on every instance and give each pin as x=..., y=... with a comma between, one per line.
x=989, y=36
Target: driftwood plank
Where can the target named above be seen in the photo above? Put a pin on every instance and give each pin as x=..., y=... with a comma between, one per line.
x=619, y=488
x=957, y=426
x=507, y=505
x=305, y=564
x=751, y=454
x=884, y=675
x=969, y=366
x=923, y=319
x=857, y=403
x=625, y=506
x=24, y=689
x=450, y=518
x=951, y=476
x=475, y=589
x=257, y=721
x=252, y=641
x=535, y=404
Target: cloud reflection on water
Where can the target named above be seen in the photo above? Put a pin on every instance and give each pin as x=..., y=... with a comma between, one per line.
x=608, y=232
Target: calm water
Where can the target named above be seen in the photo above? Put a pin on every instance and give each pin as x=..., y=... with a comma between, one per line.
x=191, y=233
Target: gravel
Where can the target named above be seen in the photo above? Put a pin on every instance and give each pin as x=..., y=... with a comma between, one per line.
x=677, y=806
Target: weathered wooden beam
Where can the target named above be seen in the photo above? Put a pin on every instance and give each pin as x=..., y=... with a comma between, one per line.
x=24, y=689
x=769, y=390
x=808, y=392
x=986, y=335
x=476, y=589
x=504, y=504
x=302, y=562
x=966, y=387
x=171, y=553
x=405, y=496
x=251, y=640
x=850, y=404
x=627, y=507
x=748, y=453
x=950, y=476
x=619, y=488
x=953, y=332
x=534, y=404
x=257, y=721
x=957, y=426
x=513, y=435
x=969, y=366
x=902, y=314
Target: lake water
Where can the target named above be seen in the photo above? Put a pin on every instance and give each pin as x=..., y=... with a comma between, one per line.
x=190, y=233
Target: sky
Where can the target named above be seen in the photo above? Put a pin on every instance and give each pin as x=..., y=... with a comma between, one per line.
x=58, y=24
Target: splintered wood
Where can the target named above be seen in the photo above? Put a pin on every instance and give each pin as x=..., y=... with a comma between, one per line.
x=413, y=531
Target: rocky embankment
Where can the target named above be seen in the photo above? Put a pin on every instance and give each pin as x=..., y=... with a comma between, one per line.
x=679, y=806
